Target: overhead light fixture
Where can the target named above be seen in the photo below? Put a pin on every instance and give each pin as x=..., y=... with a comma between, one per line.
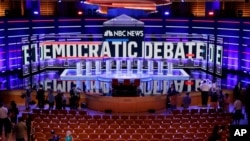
x=35, y=12
x=166, y=13
x=79, y=13
x=211, y=13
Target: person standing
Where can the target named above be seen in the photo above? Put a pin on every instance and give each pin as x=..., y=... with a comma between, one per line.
x=186, y=101
x=64, y=101
x=172, y=96
x=51, y=99
x=237, y=91
x=73, y=97
x=226, y=103
x=59, y=100
x=214, y=97
x=8, y=127
x=29, y=127
x=28, y=97
x=14, y=111
x=3, y=117
x=237, y=112
x=204, y=88
x=221, y=100
x=20, y=130
x=83, y=87
x=40, y=97
x=247, y=106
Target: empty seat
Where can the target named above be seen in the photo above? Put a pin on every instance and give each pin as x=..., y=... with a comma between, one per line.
x=104, y=136
x=203, y=111
x=189, y=135
x=185, y=111
x=114, y=136
x=136, y=136
x=194, y=111
x=99, y=130
x=83, y=136
x=105, y=117
x=125, y=136
x=176, y=111
x=130, y=130
x=150, y=130
x=160, y=130
x=147, y=135
x=82, y=112
x=178, y=135
x=97, y=117
x=141, y=130
x=167, y=135
x=36, y=111
x=155, y=125
x=157, y=136
x=119, y=130
x=93, y=135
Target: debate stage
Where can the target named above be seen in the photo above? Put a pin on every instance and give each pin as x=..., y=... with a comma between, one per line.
x=125, y=104
x=124, y=54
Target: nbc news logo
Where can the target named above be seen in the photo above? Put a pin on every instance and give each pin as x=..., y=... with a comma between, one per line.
x=108, y=33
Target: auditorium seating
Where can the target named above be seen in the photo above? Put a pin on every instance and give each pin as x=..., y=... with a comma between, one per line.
x=176, y=126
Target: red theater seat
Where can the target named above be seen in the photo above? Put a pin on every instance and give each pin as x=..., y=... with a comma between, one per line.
x=137, y=82
x=115, y=82
x=126, y=82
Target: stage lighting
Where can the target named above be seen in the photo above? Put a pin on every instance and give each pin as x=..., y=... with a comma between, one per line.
x=59, y=1
x=211, y=13
x=81, y=1
x=35, y=12
x=79, y=13
x=166, y=13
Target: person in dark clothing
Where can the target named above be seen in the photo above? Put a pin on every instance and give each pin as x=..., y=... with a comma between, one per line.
x=247, y=106
x=237, y=91
x=171, y=96
x=14, y=111
x=29, y=126
x=3, y=117
x=59, y=100
x=64, y=101
x=40, y=97
x=221, y=100
x=8, y=126
x=73, y=97
x=186, y=101
x=51, y=99
x=27, y=97
x=83, y=87
x=214, y=99
x=215, y=136
x=54, y=136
